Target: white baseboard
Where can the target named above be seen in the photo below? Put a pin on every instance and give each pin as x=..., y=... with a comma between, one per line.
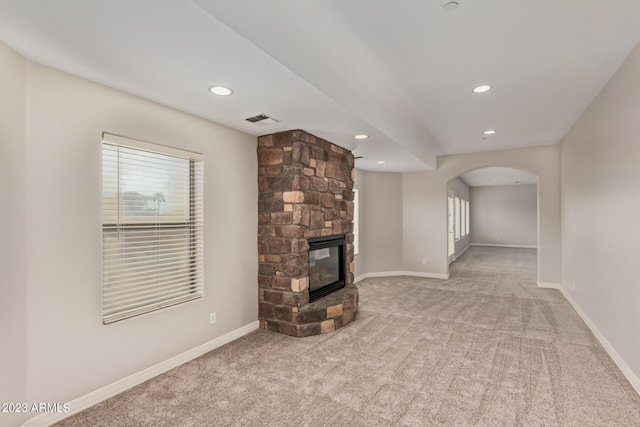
x=402, y=273
x=626, y=370
x=97, y=396
x=504, y=246
x=544, y=285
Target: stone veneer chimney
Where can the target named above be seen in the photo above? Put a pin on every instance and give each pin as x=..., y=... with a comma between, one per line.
x=305, y=190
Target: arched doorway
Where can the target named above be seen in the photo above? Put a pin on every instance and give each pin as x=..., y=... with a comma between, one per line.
x=492, y=206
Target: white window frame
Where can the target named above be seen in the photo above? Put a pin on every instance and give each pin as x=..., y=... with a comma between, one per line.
x=451, y=244
x=467, y=216
x=457, y=227
x=151, y=259
x=356, y=222
x=463, y=219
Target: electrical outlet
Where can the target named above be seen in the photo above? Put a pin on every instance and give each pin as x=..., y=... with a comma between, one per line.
x=424, y=261
x=573, y=285
x=212, y=318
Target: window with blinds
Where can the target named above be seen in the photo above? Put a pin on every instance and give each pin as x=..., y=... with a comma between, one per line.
x=152, y=227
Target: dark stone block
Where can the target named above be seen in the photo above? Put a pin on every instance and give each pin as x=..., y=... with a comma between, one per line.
x=331, y=215
x=289, y=329
x=282, y=139
x=301, y=215
x=298, y=135
x=295, y=265
x=292, y=231
x=350, y=211
x=279, y=245
x=292, y=169
x=338, y=322
x=282, y=312
x=270, y=325
x=317, y=220
x=328, y=200
x=349, y=159
x=263, y=245
x=270, y=156
x=265, y=141
x=348, y=304
x=265, y=269
x=317, y=153
x=318, y=184
x=292, y=299
x=299, y=246
x=330, y=171
x=263, y=184
x=312, y=198
x=311, y=316
x=273, y=205
x=273, y=170
x=283, y=283
x=348, y=316
x=309, y=330
x=265, y=281
x=300, y=153
x=335, y=158
x=272, y=297
x=337, y=227
x=312, y=233
x=281, y=218
x=334, y=186
x=281, y=183
x=265, y=230
x=301, y=182
x=265, y=310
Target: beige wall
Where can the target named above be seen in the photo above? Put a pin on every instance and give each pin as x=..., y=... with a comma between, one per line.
x=505, y=215
x=13, y=289
x=381, y=228
x=600, y=211
x=69, y=352
x=425, y=207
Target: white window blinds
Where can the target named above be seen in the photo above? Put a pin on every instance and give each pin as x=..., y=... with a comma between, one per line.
x=152, y=227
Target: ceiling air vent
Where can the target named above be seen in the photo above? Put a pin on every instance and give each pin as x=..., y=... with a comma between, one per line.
x=262, y=120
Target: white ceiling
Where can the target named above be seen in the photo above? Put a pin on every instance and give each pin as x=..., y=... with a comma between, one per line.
x=401, y=72
x=494, y=176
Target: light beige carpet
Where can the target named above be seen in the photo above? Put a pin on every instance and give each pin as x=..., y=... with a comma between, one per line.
x=486, y=347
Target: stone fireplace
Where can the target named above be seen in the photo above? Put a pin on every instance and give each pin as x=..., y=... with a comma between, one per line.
x=305, y=197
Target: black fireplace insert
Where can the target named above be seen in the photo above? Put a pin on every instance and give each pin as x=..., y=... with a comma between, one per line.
x=326, y=265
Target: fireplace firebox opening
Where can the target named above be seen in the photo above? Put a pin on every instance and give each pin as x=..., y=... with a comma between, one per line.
x=326, y=265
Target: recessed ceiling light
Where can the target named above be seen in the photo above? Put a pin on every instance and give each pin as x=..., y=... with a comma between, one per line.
x=220, y=90
x=489, y=132
x=482, y=88
x=362, y=136
x=450, y=6
x=381, y=162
